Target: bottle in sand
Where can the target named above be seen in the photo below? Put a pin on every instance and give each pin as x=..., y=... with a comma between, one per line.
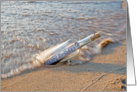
x=70, y=48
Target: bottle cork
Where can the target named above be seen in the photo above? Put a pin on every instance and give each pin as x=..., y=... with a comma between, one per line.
x=95, y=36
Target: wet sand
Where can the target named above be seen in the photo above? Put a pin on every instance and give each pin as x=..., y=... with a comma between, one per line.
x=105, y=72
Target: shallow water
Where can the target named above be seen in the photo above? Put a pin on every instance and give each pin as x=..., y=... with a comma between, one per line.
x=29, y=28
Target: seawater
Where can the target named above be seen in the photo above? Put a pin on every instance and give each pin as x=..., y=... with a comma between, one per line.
x=29, y=28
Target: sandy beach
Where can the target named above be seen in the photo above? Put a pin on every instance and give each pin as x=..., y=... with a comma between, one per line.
x=29, y=28
x=105, y=72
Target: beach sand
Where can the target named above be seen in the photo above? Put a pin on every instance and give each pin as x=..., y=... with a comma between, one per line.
x=124, y=4
x=105, y=72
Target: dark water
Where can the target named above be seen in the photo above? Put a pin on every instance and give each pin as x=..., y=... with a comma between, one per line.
x=29, y=28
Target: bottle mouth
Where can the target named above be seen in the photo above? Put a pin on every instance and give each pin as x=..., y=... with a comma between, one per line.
x=88, y=39
x=95, y=36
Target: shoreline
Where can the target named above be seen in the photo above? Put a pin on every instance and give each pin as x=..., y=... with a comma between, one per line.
x=105, y=72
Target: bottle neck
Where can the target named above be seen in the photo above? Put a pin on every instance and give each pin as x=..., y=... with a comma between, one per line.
x=89, y=39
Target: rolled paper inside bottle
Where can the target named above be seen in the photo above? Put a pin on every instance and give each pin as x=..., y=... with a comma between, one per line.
x=60, y=55
x=42, y=57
